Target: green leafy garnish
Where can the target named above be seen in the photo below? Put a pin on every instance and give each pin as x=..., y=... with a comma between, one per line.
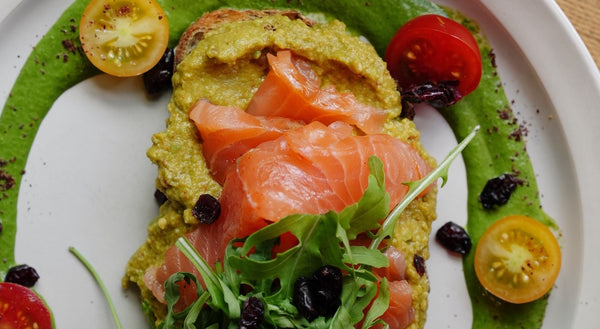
x=322, y=240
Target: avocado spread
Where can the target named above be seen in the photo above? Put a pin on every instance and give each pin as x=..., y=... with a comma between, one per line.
x=226, y=68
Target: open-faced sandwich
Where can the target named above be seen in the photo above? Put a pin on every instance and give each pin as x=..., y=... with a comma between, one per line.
x=274, y=114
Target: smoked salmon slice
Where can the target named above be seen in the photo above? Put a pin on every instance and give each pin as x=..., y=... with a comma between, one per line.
x=400, y=312
x=228, y=132
x=292, y=89
x=310, y=169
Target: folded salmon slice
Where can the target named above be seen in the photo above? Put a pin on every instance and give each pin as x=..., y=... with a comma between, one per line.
x=400, y=312
x=228, y=132
x=311, y=169
x=292, y=89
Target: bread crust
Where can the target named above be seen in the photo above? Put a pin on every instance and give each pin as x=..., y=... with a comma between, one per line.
x=211, y=20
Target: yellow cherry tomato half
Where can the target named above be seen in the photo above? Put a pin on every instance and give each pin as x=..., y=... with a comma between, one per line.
x=124, y=37
x=517, y=259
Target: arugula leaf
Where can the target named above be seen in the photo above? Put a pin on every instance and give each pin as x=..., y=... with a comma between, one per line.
x=172, y=297
x=357, y=294
x=366, y=214
x=222, y=297
x=380, y=305
x=415, y=188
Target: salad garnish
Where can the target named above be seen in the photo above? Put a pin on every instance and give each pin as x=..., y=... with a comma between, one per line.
x=248, y=261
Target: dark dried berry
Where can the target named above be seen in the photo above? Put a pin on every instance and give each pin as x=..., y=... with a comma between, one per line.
x=158, y=78
x=1, y=227
x=275, y=285
x=207, y=209
x=437, y=94
x=419, y=264
x=331, y=277
x=24, y=275
x=328, y=281
x=160, y=197
x=319, y=295
x=497, y=191
x=245, y=289
x=454, y=238
x=303, y=298
x=253, y=313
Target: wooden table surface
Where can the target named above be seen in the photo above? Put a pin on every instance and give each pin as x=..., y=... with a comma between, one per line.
x=585, y=17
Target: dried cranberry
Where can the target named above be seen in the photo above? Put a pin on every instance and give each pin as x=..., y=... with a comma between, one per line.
x=497, y=191
x=160, y=197
x=245, y=289
x=319, y=295
x=328, y=281
x=158, y=78
x=303, y=298
x=419, y=264
x=454, y=238
x=253, y=313
x=275, y=285
x=437, y=94
x=207, y=209
x=24, y=275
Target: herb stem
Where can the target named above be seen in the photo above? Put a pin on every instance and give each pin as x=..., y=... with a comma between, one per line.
x=415, y=188
x=96, y=276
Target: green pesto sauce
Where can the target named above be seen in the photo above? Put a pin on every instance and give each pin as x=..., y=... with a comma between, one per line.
x=499, y=148
x=56, y=64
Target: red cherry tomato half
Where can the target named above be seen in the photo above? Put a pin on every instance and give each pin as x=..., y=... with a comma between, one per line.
x=433, y=48
x=21, y=307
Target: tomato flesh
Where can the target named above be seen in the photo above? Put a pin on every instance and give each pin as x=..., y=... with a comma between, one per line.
x=124, y=37
x=21, y=308
x=517, y=259
x=433, y=48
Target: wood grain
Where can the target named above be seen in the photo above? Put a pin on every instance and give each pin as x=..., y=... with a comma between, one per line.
x=585, y=17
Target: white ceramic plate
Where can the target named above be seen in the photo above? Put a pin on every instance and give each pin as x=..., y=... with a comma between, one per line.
x=88, y=183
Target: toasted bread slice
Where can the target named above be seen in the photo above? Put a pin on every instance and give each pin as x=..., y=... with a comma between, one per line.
x=209, y=21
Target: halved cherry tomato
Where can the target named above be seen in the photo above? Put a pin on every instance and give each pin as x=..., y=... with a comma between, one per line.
x=517, y=259
x=21, y=307
x=433, y=48
x=124, y=37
